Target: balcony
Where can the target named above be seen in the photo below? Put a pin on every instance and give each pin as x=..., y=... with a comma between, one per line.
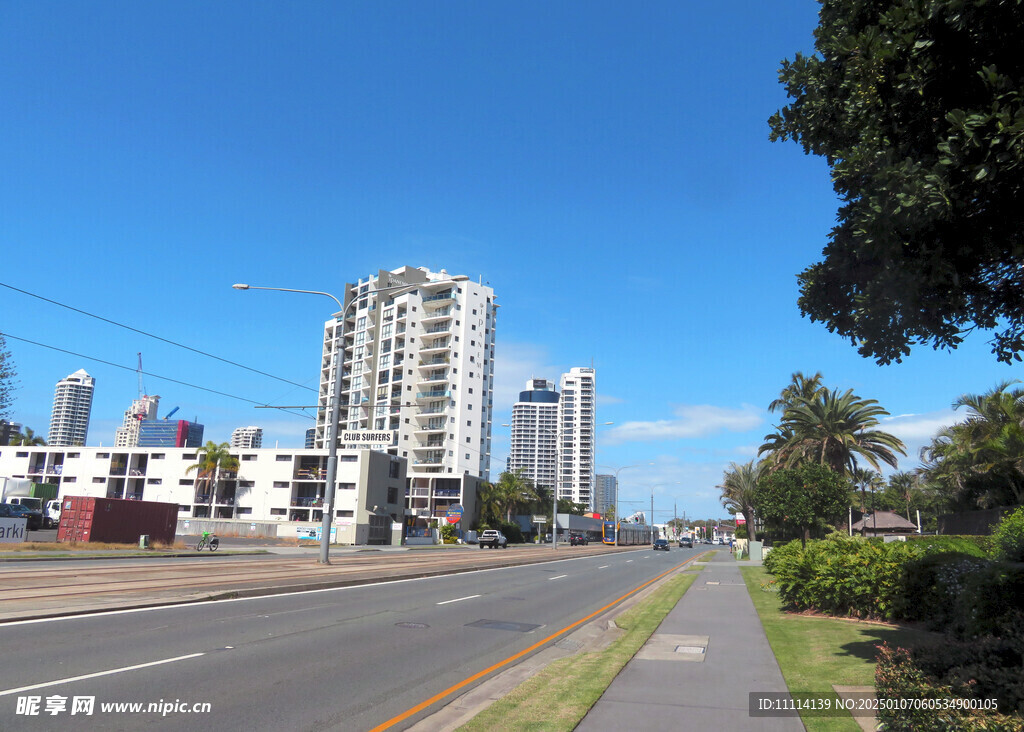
x=439, y=300
x=437, y=394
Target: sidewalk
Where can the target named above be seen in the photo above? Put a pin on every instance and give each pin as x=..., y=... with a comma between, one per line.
x=671, y=685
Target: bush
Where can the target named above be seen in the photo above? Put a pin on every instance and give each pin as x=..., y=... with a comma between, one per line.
x=842, y=576
x=976, y=546
x=448, y=534
x=990, y=597
x=933, y=585
x=1009, y=536
x=900, y=678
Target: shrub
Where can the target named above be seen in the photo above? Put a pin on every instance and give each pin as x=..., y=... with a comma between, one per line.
x=448, y=534
x=990, y=597
x=900, y=677
x=933, y=585
x=842, y=576
x=1009, y=536
x=976, y=546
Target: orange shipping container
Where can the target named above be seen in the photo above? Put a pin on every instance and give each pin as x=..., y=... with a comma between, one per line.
x=115, y=520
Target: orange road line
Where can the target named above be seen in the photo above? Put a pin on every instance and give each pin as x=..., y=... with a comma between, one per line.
x=480, y=674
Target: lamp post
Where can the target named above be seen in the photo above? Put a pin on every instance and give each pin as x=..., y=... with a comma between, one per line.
x=616, y=517
x=334, y=399
x=652, y=487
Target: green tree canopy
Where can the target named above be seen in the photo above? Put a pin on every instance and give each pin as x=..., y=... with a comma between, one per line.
x=213, y=459
x=738, y=487
x=796, y=499
x=27, y=438
x=8, y=381
x=917, y=107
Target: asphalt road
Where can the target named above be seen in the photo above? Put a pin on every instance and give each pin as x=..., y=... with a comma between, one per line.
x=346, y=659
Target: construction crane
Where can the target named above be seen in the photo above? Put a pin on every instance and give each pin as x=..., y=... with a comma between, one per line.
x=142, y=388
x=171, y=412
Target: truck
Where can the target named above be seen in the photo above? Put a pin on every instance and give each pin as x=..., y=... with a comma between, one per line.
x=36, y=497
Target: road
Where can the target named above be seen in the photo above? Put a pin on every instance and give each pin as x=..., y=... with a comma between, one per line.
x=346, y=658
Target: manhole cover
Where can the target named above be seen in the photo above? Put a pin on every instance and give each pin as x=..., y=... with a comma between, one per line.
x=414, y=626
x=690, y=649
x=503, y=625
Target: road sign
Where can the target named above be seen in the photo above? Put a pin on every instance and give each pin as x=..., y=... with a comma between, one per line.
x=539, y=519
x=454, y=513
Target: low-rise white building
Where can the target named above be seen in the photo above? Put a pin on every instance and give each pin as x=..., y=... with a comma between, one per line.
x=276, y=485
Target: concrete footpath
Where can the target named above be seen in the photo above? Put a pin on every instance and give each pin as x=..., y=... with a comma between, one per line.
x=697, y=670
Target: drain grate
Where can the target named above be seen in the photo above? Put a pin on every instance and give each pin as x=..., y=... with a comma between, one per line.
x=503, y=625
x=413, y=626
x=690, y=649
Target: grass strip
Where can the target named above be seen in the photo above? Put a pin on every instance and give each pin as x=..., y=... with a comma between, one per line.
x=559, y=696
x=816, y=652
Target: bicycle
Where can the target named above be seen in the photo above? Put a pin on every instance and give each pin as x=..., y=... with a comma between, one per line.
x=208, y=541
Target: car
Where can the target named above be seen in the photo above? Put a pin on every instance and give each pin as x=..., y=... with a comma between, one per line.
x=661, y=544
x=493, y=538
x=34, y=519
x=686, y=542
x=578, y=540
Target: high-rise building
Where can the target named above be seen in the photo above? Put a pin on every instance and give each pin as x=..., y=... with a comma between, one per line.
x=418, y=362
x=534, y=444
x=247, y=437
x=127, y=435
x=170, y=433
x=310, y=441
x=72, y=403
x=604, y=493
x=576, y=414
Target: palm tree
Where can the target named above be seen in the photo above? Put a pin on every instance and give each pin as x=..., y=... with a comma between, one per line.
x=904, y=486
x=739, y=483
x=801, y=387
x=512, y=491
x=835, y=430
x=213, y=459
x=981, y=460
x=27, y=438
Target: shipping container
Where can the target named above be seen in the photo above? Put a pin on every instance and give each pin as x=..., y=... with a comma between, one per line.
x=115, y=520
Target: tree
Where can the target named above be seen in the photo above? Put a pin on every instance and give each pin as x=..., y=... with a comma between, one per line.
x=795, y=499
x=500, y=500
x=27, y=438
x=980, y=462
x=739, y=484
x=832, y=429
x=8, y=381
x=917, y=108
x=213, y=459
x=800, y=388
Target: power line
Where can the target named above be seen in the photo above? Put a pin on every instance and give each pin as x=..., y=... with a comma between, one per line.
x=150, y=335
x=147, y=373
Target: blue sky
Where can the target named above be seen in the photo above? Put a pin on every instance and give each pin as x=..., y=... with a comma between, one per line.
x=605, y=166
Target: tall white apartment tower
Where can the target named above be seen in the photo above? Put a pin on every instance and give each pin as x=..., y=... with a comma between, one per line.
x=576, y=414
x=72, y=403
x=534, y=447
x=418, y=360
x=127, y=435
x=247, y=438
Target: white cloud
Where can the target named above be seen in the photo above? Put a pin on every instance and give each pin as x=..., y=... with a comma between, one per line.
x=691, y=421
x=604, y=400
x=920, y=427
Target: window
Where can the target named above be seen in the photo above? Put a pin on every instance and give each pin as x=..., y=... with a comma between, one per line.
x=98, y=480
x=100, y=455
x=245, y=484
x=184, y=481
x=22, y=454
x=244, y=510
x=467, y=439
x=343, y=513
x=346, y=486
x=188, y=456
x=394, y=469
x=467, y=456
x=248, y=457
x=184, y=509
x=71, y=479
x=283, y=458
x=385, y=361
x=386, y=331
x=361, y=323
x=280, y=483
x=392, y=494
x=278, y=512
x=75, y=454
x=348, y=459
x=154, y=481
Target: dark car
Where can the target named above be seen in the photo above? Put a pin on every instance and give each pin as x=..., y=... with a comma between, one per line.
x=661, y=544
x=34, y=519
x=578, y=540
x=686, y=542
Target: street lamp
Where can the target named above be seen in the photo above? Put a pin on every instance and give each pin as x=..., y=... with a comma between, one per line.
x=334, y=399
x=652, y=487
x=554, y=489
x=617, y=471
